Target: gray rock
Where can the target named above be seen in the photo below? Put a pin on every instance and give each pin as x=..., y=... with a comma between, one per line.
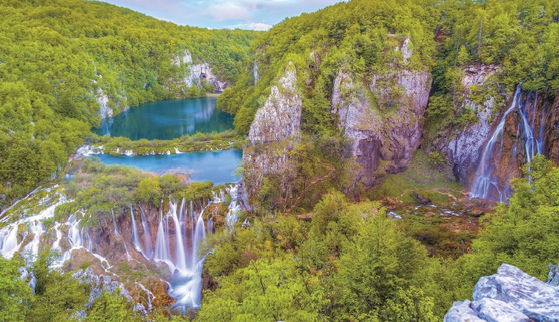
x=465, y=148
x=385, y=126
x=525, y=293
x=510, y=295
x=462, y=312
x=498, y=311
x=280, y=117
x=553, y=277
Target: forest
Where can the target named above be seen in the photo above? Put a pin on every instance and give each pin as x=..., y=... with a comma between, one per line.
x=57, y=57
x=336, y=253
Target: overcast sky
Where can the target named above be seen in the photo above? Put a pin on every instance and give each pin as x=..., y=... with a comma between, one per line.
x=244, y=14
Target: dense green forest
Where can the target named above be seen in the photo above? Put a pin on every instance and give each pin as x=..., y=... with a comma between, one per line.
x=521, y=36
x=338, y=255
x=351, y=262
x=56, y=57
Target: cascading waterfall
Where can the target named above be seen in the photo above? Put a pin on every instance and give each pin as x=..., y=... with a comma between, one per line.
x=135, y=232
x=9, y=234
x=147, y=236
x=114, y=222
x=185, y=223
x=486, y=181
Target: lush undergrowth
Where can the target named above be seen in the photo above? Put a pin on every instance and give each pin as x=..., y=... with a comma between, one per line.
x=423, y=177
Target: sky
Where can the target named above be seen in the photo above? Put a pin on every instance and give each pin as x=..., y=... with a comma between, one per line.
x=243, y=14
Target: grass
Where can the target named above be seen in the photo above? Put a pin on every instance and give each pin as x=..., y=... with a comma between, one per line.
x=423, y=178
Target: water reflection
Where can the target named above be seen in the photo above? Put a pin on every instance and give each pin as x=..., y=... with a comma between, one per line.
x=166, y=120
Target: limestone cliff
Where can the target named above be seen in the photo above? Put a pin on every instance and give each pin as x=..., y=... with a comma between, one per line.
x=280, y=117
x=197, y=72
x=275, y=128
x=509, y=295
x=382, y=119
x=464, y=147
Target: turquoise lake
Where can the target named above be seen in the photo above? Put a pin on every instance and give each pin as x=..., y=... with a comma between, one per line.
x=166, y=120
x=215, y=166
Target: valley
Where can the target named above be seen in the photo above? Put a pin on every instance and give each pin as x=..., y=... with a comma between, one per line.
x=370, y=161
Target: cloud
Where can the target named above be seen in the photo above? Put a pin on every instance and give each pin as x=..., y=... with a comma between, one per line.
x=245, y=14
x=250, y=26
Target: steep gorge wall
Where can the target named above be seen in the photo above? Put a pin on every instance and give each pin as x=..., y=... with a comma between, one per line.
x=273, y=133
x=382, y=119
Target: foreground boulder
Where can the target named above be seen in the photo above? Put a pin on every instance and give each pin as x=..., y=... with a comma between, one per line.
x=509, y=295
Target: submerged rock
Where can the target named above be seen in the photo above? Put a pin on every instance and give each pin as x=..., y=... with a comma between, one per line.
x=509, y=295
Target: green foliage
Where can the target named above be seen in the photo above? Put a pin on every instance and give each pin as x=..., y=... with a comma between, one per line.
x=149, y=191
x=15, y=295
x=357, y=36
x=523, y=234
x=111, y=307
x=186, y=143
x=57, y=57
x=58, y=296
x=265, y=291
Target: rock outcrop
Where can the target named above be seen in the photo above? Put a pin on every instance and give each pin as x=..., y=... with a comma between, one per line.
x=464, y=148
x=509, y=295
x=382, y=119
x=275, y=129
x=280, y=117
x=198, y=72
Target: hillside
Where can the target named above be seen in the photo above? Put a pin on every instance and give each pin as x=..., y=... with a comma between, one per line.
x=66, y=64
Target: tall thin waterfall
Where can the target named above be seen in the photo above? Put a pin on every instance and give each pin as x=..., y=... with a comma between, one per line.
x=486, y=180
x=135, y=232
x=114, y=222
x=147, y=236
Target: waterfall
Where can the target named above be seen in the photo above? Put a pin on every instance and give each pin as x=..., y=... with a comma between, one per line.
x=486, y=179
x=37, y=229
x=162, y=251
x=8, y=242
x=234, y=208
x=114, y=222
x=9, y=234
x=147, y=235
x=135, y=232
x=180, y=260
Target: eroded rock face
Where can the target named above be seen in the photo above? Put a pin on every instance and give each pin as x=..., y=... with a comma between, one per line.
x=509, y=295
x=280, y=117
x=275, y=129
x=385, y=127
x=198, y=72
x=466, y=146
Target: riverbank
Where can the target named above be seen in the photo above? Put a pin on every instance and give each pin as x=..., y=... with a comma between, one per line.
x=187, y=143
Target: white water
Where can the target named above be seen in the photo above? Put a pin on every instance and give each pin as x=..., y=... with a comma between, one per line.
x=147, y=236
x=135, y=232
x=9, y=235
x=486, y=182
x=185, y=262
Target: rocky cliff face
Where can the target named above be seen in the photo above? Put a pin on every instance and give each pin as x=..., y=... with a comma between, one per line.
x=273, y=132
x=383, y=119
x=198, y=73
x=509, y=295
x=280, y=117
x=465, y=146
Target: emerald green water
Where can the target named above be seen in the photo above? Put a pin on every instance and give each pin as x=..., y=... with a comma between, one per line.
x=166, y=120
